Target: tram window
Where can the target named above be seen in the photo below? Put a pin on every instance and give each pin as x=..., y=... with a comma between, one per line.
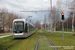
x=18, y=26
x=26, y=27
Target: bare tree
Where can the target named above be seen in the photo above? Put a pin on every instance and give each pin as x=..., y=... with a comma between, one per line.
x=71, y=7
x=11, y=17
x=3, y=17
x=55, y=17
x=6, y=19
x=37, y=24
x=44, y=25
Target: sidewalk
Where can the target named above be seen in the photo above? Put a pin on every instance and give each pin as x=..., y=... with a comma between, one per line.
x=64, y=32
x=61, y=31
x=9, y=34
x=6, y=34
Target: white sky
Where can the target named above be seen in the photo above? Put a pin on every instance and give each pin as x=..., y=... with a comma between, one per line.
x=26, y=5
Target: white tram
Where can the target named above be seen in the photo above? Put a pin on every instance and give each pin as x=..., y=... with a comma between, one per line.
x=22, y=28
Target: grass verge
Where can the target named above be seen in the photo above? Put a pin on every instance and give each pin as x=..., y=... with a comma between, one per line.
x=5, y=39
x=57, y=39
x=4, y=42
x=6, y=45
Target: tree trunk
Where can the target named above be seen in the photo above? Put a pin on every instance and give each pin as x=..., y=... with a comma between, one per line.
x=73, y=25
x=55, y=28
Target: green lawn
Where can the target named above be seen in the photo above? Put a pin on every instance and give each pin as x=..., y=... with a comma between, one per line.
x=7, y=43
x=4, y=46
x=6, y=39
x=28, y=43
x=57, y=39
x=65, y=29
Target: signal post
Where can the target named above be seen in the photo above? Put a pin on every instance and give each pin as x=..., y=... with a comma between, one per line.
x=63, y=24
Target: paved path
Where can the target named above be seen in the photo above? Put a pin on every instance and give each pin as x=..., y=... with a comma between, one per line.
x=64, y=32
x=61, y=31
x=5, y=35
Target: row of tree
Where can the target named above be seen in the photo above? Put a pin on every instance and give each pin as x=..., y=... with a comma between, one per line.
x=71, y=11
x=55, y=15
x=6, y=19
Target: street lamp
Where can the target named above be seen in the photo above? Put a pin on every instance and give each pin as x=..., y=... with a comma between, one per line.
x=28, y=18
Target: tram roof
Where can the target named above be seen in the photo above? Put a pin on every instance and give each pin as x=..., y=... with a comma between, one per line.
x=23, y=20
x=19, y=20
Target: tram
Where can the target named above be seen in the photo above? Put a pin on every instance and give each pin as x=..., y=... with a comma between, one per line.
x=22, y=28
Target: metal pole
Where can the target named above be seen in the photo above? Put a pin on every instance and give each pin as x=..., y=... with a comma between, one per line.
x=63, y=29
x=30, y=21
x=28, y=17
x=49, y=20
x=51, y=17
x=67, y=25
x=45, y=22
x=10, y=23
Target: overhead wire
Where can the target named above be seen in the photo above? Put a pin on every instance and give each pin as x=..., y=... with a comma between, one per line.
x=34, y=8
x=22, y=7
x=20, y=4
x=27, y=8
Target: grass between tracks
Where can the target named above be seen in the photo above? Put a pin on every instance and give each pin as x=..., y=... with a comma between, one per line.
x=57, y=40
x=27, y=44
x=43, y=43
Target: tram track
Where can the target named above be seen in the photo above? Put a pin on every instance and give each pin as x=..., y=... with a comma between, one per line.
x=6, y=42
x=41, y=39
x=27, y=44
x=37, y=43
x=13, y=44
x=50, y=42
x=36, y=48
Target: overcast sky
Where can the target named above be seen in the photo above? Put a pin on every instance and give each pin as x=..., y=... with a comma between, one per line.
x=28, y=5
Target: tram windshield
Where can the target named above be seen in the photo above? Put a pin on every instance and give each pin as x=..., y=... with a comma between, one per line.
x=18, y=26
